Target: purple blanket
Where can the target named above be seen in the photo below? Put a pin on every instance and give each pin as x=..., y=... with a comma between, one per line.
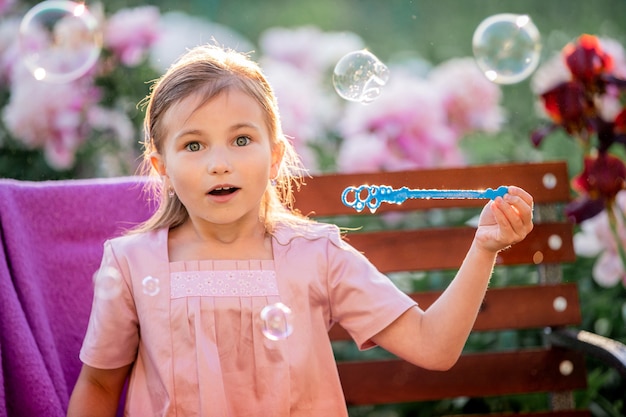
x=51, y=236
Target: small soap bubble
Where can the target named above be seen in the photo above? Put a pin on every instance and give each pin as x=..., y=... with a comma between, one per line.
x=107, y=283
x=59, y=41
x=277, y=321
x=360, y=76
x=507, y=47
x=150, y=286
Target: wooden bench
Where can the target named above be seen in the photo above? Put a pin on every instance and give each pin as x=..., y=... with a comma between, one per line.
x=541, y=302
x=51, y=236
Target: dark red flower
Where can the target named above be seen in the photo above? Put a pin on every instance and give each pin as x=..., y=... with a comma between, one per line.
x=602, y=177
x=568, y=105
x=586, y=60
x=584, y=208
x=620, y=122
x=574, y=105
x=540, y=133
x=610, y=133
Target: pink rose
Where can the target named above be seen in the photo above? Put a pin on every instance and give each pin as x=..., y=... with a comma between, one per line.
x=406, y=127
x=130, y=33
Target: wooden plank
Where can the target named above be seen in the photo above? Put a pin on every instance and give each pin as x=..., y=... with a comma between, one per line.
x=322, y=194
x=445, y=248
x=522, y=307
x=474, y=375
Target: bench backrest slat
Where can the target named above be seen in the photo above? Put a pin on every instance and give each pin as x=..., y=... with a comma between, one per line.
x=445, y=248
x=475, y=375
x=508, y=308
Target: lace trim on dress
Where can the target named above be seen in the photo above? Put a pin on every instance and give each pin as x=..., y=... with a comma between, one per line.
x=223, y=283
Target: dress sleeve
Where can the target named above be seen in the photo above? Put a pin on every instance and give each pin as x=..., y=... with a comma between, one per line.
x=112, y=336
x=363, y=300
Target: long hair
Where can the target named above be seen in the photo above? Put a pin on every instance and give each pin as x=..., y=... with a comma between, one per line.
x=208, y=70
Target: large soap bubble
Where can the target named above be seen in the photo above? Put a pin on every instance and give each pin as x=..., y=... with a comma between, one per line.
x=507, y=47
x=359, y=76
x=59, y=41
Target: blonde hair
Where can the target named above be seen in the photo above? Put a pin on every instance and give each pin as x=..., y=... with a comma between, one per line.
x=209, y=70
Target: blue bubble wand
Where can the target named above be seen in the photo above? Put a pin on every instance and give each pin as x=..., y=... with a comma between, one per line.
x=371, y=196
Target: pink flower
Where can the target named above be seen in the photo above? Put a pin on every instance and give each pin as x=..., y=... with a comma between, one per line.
x=5, y=6
x=596, y=239
x=130, y=33
x=365, y=152
x=55, y=123
x=406, y=127
x=308, y=47
x=471, y=101
x=297, y=63
x=307, y=111
x=9, y=54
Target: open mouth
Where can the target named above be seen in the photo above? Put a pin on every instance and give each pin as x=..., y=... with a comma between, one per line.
x=223, y=190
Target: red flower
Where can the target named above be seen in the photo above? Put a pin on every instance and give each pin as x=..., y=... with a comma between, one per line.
x=584, y=208
x=620, y=122
x=610, y=133
x=568, y=106
x=603, y=177
x=586, y=60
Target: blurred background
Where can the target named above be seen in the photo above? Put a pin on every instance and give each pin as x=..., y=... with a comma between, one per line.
x=438, y=108
x=417, y=35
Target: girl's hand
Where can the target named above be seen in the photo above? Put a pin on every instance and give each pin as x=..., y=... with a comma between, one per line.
x=505, y=221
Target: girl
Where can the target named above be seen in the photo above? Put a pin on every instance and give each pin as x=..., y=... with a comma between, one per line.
x=225, y=243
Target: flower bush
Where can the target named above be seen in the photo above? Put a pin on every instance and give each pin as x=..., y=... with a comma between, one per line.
x=91, y=127
x=88, y=125
x=583, y=92
x=418, y=120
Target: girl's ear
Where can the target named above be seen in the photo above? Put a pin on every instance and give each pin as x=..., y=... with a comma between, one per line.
x=277, y=159
x=156, y=160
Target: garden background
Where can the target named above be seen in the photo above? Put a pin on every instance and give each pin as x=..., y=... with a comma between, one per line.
x=427, y=45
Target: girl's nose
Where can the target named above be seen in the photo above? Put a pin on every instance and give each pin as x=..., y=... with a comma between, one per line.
x=219, y=162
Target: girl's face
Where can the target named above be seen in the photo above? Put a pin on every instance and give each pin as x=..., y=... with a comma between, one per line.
x=218, y=157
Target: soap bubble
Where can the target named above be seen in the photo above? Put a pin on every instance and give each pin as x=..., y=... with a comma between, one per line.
x=59, y=41
x=107, y=283
x=150, y=286
x=277, y=321
x=359, y=76
x=507, y=47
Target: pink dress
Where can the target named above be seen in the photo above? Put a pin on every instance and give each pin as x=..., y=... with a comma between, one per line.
x=195, y=336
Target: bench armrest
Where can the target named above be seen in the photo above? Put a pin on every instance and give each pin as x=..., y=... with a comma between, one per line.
x=610, y=351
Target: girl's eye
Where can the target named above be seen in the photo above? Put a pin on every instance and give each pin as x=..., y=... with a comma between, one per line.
x=193, y=146
x=242, y=141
